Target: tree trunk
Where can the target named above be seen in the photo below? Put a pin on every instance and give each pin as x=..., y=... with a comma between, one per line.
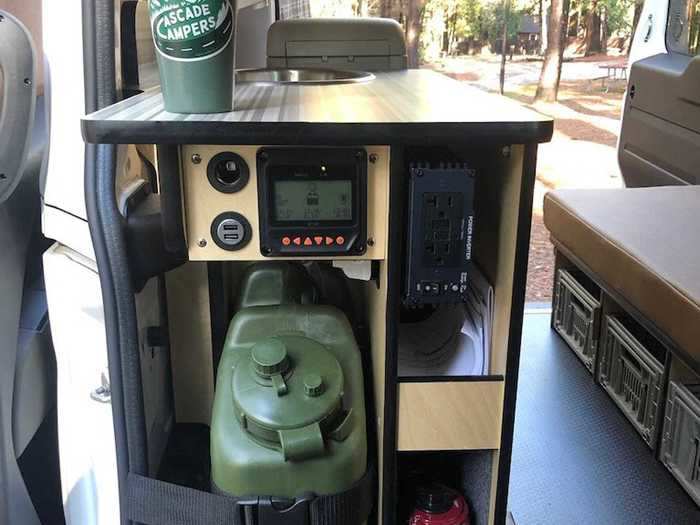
x=414, y=27
x=604, y=31
x=385, y=8
x=544, y=18
x=453, y=33
x=638, y=6
x=504, y=44
x=446, y=36
x=592, y=30
x=548, y=86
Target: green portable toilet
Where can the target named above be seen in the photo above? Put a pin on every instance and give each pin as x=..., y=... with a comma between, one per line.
x=275, y=283
x=289, y=411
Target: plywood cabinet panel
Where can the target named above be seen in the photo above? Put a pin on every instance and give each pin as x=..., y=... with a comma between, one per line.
x=450, y=415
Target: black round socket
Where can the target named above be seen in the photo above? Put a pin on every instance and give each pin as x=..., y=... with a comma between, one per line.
x=231, y=231
x=228, y=172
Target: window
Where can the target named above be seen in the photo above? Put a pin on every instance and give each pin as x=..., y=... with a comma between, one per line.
x=325, y=8
x=294, y=9
x=683, y=34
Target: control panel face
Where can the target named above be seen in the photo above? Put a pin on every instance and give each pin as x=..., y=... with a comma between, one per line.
x=441, y=224
x=250, y=203
x=312, y=201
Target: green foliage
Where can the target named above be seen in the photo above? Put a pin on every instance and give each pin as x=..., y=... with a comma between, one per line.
x=461, y=18
x=694, y=29
x=619, y=15
x=478, y=20
x=468, y=18
x=448, y=23
x=493, y=17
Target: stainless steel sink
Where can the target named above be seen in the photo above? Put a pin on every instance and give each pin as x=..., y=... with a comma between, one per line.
x=301, y=76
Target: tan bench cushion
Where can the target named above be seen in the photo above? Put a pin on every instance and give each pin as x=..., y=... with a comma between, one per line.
x=642, y=243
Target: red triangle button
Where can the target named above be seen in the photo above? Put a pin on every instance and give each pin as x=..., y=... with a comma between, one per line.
x=308, y=241
x=297, y=241
x=318, y=240
x=329, y=241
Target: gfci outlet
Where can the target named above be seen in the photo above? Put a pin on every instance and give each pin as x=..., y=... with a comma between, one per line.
x=441, y=223
x=443, y=228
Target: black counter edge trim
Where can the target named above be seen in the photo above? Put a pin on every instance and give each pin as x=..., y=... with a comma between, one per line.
x=451, y=379
x=448, y=452
x=298, y=133
x=218, y=315
x=522, y=249
x=389, y=480
x=171, y=201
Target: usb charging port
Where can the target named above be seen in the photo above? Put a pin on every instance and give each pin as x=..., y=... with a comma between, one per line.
x=231, y=233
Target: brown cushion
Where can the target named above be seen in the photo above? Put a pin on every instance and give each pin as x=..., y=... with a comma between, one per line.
x=642, y=243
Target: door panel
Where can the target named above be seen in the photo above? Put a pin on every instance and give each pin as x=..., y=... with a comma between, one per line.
x=19, y=206
x=660, y=139
x=85, y=426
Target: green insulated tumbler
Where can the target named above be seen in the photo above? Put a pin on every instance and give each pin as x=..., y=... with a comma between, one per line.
x=194, y=41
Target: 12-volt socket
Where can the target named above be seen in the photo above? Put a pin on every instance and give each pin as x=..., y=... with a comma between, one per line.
x=228, y=172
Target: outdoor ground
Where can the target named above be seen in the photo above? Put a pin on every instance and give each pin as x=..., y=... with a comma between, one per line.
x=583, y=150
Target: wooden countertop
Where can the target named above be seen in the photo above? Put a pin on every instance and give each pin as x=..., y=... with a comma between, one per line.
x=413, y=106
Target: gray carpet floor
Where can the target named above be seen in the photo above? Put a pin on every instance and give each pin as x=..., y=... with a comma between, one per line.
x=576, y=458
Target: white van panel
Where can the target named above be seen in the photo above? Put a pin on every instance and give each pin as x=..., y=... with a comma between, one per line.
x=63, y=45
x=650, y=36
x=85, y=429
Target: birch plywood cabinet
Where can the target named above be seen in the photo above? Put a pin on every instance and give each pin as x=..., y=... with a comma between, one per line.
x=457, y=427
x=450, y=415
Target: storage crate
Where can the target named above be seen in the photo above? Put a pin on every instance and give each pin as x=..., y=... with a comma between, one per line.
x=632, y=374
x=576, y=317
x=680, y=446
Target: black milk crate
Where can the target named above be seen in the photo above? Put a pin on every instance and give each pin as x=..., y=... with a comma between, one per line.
x=631, y=369
x=576, y=315
x=680, y=445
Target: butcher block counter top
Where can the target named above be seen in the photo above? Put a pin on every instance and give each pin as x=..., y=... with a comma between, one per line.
x=419, y=107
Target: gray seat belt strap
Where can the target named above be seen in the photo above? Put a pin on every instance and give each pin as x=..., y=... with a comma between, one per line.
x=155, y=502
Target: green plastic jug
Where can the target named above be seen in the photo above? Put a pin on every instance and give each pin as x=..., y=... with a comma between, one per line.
x=274, y=283
x=289, y=410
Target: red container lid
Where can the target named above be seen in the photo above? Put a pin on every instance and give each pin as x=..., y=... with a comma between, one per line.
x=439, y=505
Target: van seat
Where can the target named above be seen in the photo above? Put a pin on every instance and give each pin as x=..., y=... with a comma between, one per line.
x=364, y=44
x=644, y=243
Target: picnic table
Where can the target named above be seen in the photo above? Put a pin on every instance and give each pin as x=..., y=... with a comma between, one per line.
x=614, y=70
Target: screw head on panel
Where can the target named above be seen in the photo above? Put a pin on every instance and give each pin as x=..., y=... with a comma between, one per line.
x=370, y=241
x=196, y=158
x=373, y=158
x=202, y=243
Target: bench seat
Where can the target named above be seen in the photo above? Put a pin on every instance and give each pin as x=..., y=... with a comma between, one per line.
x=642, y=243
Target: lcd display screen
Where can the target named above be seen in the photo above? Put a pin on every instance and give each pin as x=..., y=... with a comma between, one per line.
x=313, y=200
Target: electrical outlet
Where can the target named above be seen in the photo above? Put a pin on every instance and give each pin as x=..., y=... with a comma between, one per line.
x=441, y=219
